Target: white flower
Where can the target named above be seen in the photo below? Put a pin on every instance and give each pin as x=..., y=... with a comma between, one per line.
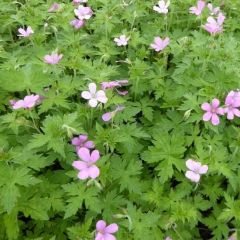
x=93, y=96
x=121, y=41
x=162, y=7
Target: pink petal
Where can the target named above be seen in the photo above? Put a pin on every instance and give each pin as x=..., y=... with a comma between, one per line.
x=18, y=104
x=193, y=165
x=93, y=171
x=215, y=119
x=80, y=165
x=107, y=116
x=99, y=236
x=112, y=228
x=203, y=169
x=230, y=115
x=101, y=225
x=83, y=138
x=84, y=154
x=215, y=103
x=207, y=116
x=236, y=112
x=220, y=111
x=83, y=174
x=75, y=141
x=194, y=177
x=108, y=236
x=206, y=107
x=94, y=156
x=89, y=144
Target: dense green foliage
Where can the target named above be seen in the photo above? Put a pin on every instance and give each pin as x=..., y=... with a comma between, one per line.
x=142, y=185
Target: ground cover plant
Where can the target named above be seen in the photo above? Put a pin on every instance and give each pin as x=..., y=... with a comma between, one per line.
x=119, y=119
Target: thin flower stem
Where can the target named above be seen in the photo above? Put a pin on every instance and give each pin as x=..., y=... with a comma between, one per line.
x=34, y=123
x=174, y=229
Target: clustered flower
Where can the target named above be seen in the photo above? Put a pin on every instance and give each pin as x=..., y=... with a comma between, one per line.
x=27, y=102
x=25, y=32
x=53, y=59
x=105, y=232
x=232, y=103
x=162, y=6
x=215, y=21
x=82, y=13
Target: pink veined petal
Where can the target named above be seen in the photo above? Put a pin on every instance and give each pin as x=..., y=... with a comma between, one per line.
x=123, y=93
x=18, y=104
x=207, y=116
x=80, y=165
x=84, y=154
x=230, y=115
x=99, y=236
x=220, y=111
x=211, y=20
x=107, y=116
x=215, y=103
x=112, y=228
x=220, y=19
x=166, y=41
x=158, y=41
x=89, y=144
x=22, y=31
x=86, y=95
x=101, y=96
x=93, y=102
x=82, y=138
x=108, y=236
x=93, y=171
x=94, y=156
x=193, y=165
x=236, y=112
x=201, y=5
x=155, y=47
x=215, y=119
x=75, y=141
x=48, y=59
x=101, y=225
x=83, y=174
x=194, y=177
x=206, y=107
x=92, y=88
x=203, y=169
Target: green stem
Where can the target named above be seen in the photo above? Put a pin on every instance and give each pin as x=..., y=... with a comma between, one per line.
x=34, y=123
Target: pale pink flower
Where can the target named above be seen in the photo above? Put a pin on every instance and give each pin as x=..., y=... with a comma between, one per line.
x=86, y=166
x=168, y=238
x=196, y=169
x=113, y=84
x=25, y=33
x=76, y=2
x=159, y=44
x=197, y=10
x=233, y=236
x=27, y=103
x=77, y=23
x=104, y=232
x=83, y=12
x=213, y=10
x=54, y=58
x=54, y=7
x=214, y=26
x=82, y=141
x=122, y=40
x=106, y=117
x=232, y=102
x=162, y=6
x=93, y=96
x=212, y=111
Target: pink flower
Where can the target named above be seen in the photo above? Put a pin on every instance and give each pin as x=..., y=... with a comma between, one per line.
x=196, y=169
x=25, y=33
x=213, y=10
x=168, y=238
x=233, y=236
x=54, y=7
x=104, y=232
x=54, y=58
x=87, y=167
x=162, y=7
x=213, y=25
x=198, y=9
x=93, y=96
x=76, y=2
x=159, y=44
x=232, y=102
x=83, y=12
x=115, y=84
x=109, y=115
x=212, y=111
x=81, y=141
x=122, y=40
x=27, y=103
x=76, y=23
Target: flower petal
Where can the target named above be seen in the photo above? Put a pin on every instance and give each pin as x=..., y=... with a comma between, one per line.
x=83, y=174
x=92, y=88
x=215, y=119
x=194, y=177
x=101, y=225
x=207, y=116
x=93, y=171
x=206, y=107
x=80, y=165
x=93, y=102
x=101, y=96
x=215, y=103
x=108, y=236
x=89, y=144
x=107, y=116
x=94, y=156
x=84, y=154
x=86, y=95
x=203, y=169
x=193, y=165
x=112, y=228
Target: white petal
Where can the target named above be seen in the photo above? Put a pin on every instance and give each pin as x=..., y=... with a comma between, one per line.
x=92, y=88
x=101, y=96
x=93, y=102
x=86, y=95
